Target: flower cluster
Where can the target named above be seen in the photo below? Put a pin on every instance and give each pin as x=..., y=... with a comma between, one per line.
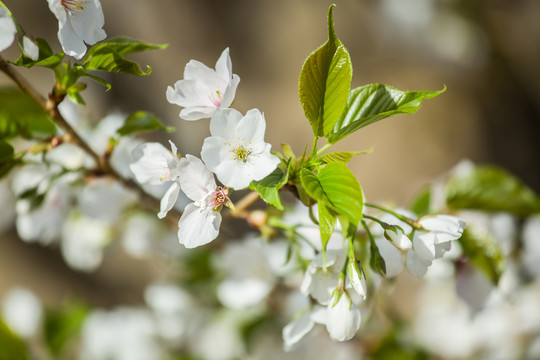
x=430, y=239
x=235, y=151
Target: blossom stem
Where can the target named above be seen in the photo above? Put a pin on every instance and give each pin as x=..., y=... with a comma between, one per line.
x=407, y=220
x=50, y=106
x=242, y=205
x=313, y=147
x=382, y=223
x=323, y=149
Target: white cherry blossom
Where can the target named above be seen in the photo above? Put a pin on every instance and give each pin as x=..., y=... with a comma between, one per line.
x=79, y=22
x=432, y=241
x=7, y=29
x=321, y=284
x=204, y=90
x=201, y=219
x=236, y=151
x=343, y=317
x=156, y=165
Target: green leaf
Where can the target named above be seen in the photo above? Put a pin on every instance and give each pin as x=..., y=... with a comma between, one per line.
x=142, y=121
x=339, y=156
x=46, y=57
x=490, y=188
x=370, y=103
x=268, y=188
x=337, y=187
x=325, y=81
x=122, y=46
x=376, y=261
x=484, y=251
x=11, y=347
x=22, y=116
x=109, y=55
x=327, y=225
x=99, y=80
x=63, y=325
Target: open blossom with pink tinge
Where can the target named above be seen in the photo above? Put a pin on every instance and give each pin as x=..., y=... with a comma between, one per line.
x=201, y=219
x=204, y=90
x=79, y=22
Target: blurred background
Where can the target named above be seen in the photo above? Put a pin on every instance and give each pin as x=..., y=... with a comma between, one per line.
x=487, y=53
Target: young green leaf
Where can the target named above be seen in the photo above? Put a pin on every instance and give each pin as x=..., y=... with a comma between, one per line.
x=370, y=103
x=21, y=116
x=339, y=156
x=325, y=81
x=268, y=188
x=484, y=252
x=121, y=46
x=142, y=121
x=336, y=187
x=109, y=56
x=327, y=224
x=490, y=188
x=376, y=261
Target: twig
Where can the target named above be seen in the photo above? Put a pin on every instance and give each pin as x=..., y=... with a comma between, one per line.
x=50, y=106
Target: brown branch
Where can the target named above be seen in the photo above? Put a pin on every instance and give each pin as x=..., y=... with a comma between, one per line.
x=50, y=106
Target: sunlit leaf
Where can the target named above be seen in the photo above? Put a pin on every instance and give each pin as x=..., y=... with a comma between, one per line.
x=370, y=103
x=325, y=82
x=109, y=55
x=337, y=187
x=268, y=188
x=339, y=156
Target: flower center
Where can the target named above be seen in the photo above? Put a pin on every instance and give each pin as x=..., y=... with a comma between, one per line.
x=219, y=198
x=74, y=6
x=240, y=151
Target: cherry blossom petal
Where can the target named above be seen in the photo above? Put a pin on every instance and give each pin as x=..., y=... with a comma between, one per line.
x=393, y=258
x=343, y=319
x=30, y=49
x=197, y=227
x=88, y=23
x=417, y=265
x=357, y=280
x=152, y=163
x=197, y=181
x=230, y=92
x=224, y=124
x=294, y=331
x=7, y=29
x=169, y=199
x=224, y=66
